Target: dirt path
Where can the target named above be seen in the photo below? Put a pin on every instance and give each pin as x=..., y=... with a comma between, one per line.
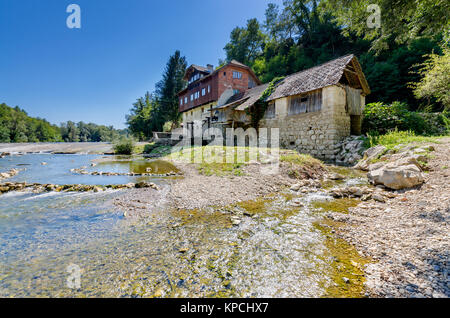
x=409, y=236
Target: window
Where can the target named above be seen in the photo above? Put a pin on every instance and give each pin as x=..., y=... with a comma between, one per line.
x=197, y=95
x=181, y=101
x=236, y=91
x=203, y=91
x=237, y=74
x=194, y=78
x=209, y=89
x=185, y=100
x=251, y=83
x=270, y=111
x=309, y=103
x=192, y=97
x=224, y=73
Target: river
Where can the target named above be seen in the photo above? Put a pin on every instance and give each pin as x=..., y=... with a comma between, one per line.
x=275, y=251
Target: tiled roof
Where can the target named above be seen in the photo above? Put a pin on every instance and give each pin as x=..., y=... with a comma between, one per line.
x=247, y=99
x=238, y=63
x=323, y=75
x=199, y=68
x=252, y=96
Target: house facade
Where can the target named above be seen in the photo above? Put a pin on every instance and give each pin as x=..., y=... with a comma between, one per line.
x=313, y=109
x=209, y=88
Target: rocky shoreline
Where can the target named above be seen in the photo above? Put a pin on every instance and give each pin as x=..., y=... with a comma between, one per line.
x=130, y=174
x=408, y=237
x=9, y=174
x=41, y=188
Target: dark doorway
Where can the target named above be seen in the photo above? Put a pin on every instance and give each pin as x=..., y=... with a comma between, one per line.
x=355, y=125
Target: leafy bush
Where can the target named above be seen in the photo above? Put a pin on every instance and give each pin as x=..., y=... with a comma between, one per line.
x=148, y=148
x=381, y=118
x=124, y=146
x=167, y=127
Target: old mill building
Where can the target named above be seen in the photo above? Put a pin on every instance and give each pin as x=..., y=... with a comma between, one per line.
x=314, y=109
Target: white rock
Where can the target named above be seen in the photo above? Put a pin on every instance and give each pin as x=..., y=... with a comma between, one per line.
x=397, y=177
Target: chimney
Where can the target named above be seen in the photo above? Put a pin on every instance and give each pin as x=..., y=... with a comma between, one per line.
x=210, y=68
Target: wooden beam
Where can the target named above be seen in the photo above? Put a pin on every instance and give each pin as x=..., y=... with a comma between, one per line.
x=347, y=70
x=361, y=77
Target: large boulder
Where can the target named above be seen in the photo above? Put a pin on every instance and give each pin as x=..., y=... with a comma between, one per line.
x=396, y=176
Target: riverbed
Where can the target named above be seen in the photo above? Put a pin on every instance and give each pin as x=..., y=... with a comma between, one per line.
x=269, y=247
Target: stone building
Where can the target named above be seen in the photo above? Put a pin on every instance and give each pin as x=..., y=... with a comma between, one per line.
x=314, y=109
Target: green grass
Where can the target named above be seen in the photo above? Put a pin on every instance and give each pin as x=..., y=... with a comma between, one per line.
x=220, y=169
x=300, y=159
x=394, y=138
x=219, y=154
x=138, y=149
x=157, y=150
x=228, y=161
x=219, y=160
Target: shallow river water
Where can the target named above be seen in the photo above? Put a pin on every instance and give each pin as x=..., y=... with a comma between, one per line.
x=275, y=250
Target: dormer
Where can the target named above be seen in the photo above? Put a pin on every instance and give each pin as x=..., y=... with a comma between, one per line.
x=195, y=72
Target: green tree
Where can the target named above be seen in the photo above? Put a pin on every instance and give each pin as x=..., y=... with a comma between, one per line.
x=145, y=117
x=435, y=81
x=167, y=106
x=246, y=44
x=401, y=20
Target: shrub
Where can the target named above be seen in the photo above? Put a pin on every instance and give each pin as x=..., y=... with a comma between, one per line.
x=148, y=148
x=381, y=118
x=124, y=146
x=167, y=127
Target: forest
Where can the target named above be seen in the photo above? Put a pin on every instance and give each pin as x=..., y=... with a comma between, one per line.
x=17, y=126
x=405, y=57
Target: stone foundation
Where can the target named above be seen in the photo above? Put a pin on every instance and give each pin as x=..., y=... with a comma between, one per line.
x=316, y=133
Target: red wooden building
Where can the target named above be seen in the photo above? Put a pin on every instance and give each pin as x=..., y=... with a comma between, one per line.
x=209, y=87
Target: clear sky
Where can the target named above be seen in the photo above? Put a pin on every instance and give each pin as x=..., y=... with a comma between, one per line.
x=95, y=73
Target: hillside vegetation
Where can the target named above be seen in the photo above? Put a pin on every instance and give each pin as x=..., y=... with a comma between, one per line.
x=17, y=126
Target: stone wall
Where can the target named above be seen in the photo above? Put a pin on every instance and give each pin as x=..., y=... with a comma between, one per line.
x=316, y=133
x=197, y=114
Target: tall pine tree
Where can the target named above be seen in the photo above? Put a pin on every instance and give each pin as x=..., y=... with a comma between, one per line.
x=167, y=90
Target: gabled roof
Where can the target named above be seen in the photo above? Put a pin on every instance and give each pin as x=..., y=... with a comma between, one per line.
x=206, y=70
x=199, y=68
x=194, y=67
x=329, y=73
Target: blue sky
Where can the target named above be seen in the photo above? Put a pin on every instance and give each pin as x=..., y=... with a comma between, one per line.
x=95, y=73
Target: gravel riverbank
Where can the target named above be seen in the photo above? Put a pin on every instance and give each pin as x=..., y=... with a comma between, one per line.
x=408, y=237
